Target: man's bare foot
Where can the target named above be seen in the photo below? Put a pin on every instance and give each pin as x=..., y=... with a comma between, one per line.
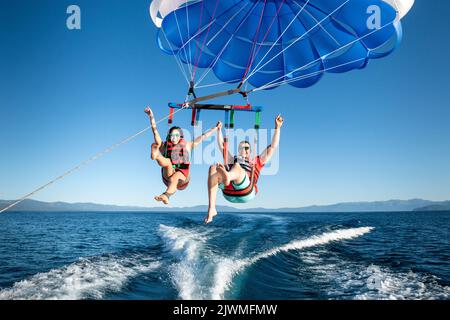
x=155, y=150
x=225, y=177
x=211, y=214
x=164, y=198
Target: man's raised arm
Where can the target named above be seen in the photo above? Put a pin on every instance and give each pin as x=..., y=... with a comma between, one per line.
x=268, y=152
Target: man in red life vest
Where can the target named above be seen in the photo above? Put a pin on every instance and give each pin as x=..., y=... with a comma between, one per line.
x=238, y=180
x=173, y=157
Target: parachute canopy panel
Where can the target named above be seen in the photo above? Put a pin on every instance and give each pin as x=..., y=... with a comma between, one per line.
x=272, y=42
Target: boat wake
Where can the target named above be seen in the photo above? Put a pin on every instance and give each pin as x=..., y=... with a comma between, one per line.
x=200, y=273
x=87, y=278
x=349, y=280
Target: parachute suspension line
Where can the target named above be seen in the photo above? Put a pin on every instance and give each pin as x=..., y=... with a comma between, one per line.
x=251, y=57
x=200, y=31
x=264, y=38
x=255, y=39
x=204, y=40
x=214, y=84
x=228, y=92
x=196, y=47
x=206, y=27
x=179, y=33
x=306, y=76
x=189, y=32
x=296, y=40
x=216, y=59
x=227, y=23
x=187, y=24
x=276, y=41
x=177, y=59
x=245, y=96
x=320, y=25
x=275, y=83
x=87, y=162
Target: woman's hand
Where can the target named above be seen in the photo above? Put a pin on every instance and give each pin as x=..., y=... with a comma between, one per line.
x=152, y=119
x=278, y=122
x=149, y=112
x=219, y=126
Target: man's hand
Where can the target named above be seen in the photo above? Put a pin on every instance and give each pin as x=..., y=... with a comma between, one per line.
x=278, y=122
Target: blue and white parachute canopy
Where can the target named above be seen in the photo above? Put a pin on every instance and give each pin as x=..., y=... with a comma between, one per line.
x=267, y=43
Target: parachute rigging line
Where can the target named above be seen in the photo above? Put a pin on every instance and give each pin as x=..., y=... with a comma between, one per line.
x=241, y=23
x=296, y=40
x=86, y=162
x=204, y=40
x=274, y=83
x=264, y=43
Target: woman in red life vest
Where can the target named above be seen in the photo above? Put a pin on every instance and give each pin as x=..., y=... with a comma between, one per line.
x=173, y=157
x=238, y=180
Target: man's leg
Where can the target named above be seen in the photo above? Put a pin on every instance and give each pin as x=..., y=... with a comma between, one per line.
x=213, y=181
x=236, y=174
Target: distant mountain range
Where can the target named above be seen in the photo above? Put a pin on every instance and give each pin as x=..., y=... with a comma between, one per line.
x=376, y=206
x=443, y=206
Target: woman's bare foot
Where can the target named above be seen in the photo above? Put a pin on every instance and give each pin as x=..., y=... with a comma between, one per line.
x=211, y=214
x=164, y=198
x=155, y=150
x=225, y=177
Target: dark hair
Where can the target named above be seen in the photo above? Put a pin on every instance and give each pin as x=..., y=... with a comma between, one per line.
x=176, y=128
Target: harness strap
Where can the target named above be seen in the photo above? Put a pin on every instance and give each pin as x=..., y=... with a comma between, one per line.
x=171, y=115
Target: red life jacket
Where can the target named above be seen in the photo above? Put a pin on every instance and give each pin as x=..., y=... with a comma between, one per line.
x=177, y=153
x=253, y=172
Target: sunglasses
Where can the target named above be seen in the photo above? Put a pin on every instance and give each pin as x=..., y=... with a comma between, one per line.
x=244, y=148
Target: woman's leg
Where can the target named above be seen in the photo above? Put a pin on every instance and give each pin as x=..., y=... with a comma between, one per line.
x=167, y=169
x=173, y=180
x=160, y=159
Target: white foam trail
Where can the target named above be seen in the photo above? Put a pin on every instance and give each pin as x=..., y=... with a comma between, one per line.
x=227, y=268
x=343, y=234
x=350, y=280
x=88, y=278
x=383, y=284
x=186, y=246
x=202, y=274
x=181, y=241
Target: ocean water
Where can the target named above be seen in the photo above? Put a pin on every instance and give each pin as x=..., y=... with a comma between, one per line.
x=238, y=256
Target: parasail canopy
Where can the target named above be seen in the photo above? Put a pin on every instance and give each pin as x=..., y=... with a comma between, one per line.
x=268, y=43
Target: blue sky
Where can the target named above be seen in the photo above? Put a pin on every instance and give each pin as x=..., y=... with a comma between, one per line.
x=377, y=134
